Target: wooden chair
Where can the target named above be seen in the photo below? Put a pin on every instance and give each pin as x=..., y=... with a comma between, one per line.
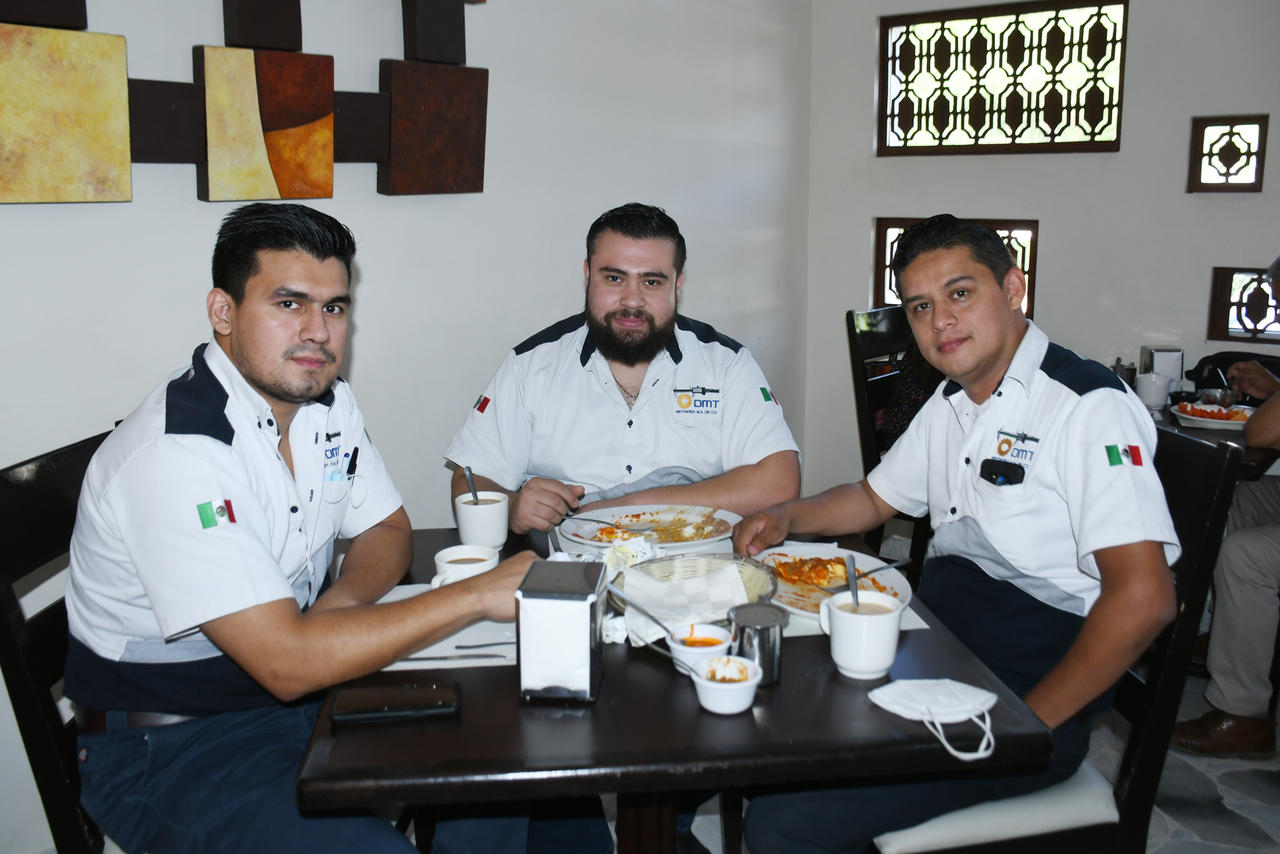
x=875, y=337
x=1087, y=813
x=37, y=512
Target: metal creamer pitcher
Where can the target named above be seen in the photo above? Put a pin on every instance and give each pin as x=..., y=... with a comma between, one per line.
x=757, y=635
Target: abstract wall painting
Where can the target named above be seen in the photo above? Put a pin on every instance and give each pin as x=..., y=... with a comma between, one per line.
x=64, y=116
x=437, y=128
x=269, y=121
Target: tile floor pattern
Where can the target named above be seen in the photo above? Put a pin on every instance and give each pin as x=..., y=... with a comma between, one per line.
x=1205, y=806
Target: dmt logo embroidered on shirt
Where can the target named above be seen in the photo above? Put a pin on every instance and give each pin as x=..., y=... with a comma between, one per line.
x=697, y=400
x=214, y=514
x=1116, y=454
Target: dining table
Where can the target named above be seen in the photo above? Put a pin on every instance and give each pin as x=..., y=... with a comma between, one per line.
x=646, y=738
x=1254, y=461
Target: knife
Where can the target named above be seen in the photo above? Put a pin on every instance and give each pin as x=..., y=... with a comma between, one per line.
x=453, y=657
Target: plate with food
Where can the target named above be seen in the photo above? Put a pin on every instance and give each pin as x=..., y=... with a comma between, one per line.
x=1210, y=416
x=806, y=573
x=665, y=524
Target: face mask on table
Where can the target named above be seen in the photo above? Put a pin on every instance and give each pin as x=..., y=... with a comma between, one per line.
x=937, y=702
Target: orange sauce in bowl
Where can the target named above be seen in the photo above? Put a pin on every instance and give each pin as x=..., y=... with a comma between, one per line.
x=698, y=641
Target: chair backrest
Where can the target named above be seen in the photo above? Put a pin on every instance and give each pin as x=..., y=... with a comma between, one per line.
x=37, y=513
x=1199, y=480
x=874, y=337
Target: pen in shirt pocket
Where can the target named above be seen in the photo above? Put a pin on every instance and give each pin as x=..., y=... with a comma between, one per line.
x=351, y=464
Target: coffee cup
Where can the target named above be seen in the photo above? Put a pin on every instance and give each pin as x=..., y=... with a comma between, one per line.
x=483, y=523
x=458, y=562
x=864, y=642
x=1152, y=389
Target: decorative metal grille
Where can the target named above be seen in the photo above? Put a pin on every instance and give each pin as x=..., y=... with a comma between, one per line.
x=1019, y=235
x=1002, y=79
x=1227, y=154
x=1243, y=306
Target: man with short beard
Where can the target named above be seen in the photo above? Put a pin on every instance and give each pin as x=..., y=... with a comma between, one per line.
x=204, y=623
x=628, y=402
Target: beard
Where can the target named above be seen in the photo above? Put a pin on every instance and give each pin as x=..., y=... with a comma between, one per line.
x=629, y=347
x=280, y=386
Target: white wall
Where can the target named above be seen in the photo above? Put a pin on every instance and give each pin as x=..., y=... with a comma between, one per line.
x=1125, y=254
x=699, y=107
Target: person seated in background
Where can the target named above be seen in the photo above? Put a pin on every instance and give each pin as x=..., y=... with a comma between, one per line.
x=202, y=619
x=628, y=402
x=1246, y=586
x=1052, y=540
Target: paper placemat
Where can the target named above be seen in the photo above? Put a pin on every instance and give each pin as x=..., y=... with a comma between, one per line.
x=469, y=647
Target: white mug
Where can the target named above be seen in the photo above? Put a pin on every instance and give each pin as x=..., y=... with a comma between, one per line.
x=458, y=562
x=862, y=644
x=1152, y=389
x=483, y=524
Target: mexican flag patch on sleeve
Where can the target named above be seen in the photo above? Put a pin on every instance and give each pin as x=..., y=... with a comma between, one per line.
x=215, y=513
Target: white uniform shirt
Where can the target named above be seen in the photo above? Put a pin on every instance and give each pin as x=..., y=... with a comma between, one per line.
x=188, y=513
x=554, y=410
x=1083, y=447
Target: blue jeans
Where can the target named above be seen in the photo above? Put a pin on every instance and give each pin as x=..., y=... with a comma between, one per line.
x=222, y=783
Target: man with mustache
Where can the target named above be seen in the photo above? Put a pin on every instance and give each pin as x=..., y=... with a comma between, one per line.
x=1051, y=536
x=203, y=620
x=628, y=402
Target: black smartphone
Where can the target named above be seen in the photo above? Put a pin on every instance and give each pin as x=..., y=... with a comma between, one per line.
x=363, y=704
x=1001, y=472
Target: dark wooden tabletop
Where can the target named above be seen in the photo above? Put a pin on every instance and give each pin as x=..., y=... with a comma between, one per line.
x=1254, y=462
x=647, y=734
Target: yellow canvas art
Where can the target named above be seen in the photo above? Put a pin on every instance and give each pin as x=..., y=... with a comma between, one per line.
x=64, y=118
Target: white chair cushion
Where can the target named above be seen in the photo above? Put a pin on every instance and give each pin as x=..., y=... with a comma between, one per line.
x=1084, y=799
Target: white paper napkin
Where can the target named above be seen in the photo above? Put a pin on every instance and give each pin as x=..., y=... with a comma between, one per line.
x=689, y=600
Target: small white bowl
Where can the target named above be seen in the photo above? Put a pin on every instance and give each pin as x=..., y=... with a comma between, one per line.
x=692, y=656
x=726, y=698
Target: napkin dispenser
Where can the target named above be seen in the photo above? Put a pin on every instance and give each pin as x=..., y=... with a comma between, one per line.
x=1166, y=361
x=560, y=614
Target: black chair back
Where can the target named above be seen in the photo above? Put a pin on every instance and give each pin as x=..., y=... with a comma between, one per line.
x=1199, y=481
x=37, y=513
x=876, y=337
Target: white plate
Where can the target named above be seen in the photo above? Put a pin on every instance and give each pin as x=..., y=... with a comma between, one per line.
x=805, y=599
x=581, y=531
x=1211, y=423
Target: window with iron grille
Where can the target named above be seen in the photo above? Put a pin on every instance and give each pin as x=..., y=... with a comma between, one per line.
x=1019, y=235
x=1242, y=306
x=1022, y=77
x=1227, y=154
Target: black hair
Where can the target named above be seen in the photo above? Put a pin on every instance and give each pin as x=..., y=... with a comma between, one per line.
x=639, y=222
x=944, y=231
x=274, y=226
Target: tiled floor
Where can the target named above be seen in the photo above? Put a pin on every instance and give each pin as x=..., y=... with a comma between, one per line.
x=1205, y=806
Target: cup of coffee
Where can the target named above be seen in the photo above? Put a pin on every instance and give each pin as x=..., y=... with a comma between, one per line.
x=1152, y=389
x=483, y=522
x=458, y=562
x=863, y=641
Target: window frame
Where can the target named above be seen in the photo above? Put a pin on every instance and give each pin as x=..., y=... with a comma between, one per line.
x=888, y=22
x=882, y=281
x=1220, y=308
x=1199, y=124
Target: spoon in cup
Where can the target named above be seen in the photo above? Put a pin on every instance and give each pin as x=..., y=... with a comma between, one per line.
x=471, y=484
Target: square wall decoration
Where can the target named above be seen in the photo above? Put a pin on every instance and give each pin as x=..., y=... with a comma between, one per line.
x=1227, y=154
x=64, y=116
x=269, y=120
x=437, y=128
